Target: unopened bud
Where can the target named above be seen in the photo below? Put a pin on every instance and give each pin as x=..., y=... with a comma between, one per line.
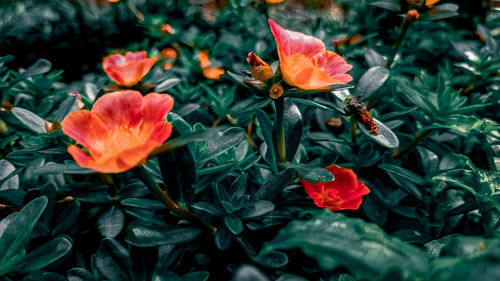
x=166, y=28
x=3, y=127
x=51, y=127
x=255, y=83
x=334, y=125
x=412, y=15
x=260, y=69
x=276, y=91
x=79, y=102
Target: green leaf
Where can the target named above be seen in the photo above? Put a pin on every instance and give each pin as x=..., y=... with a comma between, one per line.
x=222, y=142
x=310, y=172
x=442, y=11
x=49, y=253
x=402, y=172
x=15, y=233
x=293, y=128
x=66, y=168
x=166, y=84
x=267, y=132
x=234, y=224
x=385, y=137
x=79, y=274
x=65, y=108
x=373, y=58
x=178, y=171
x=336, y=240
x=111, y=222
x=391, y=5
x=112, y=261
x=249, y=273
x=142, y=203
x=273, y=186
x=30, y=120
x=39, y=67
x=371, y=81
x=8, y=176
x=145, y=235
x=256, y=209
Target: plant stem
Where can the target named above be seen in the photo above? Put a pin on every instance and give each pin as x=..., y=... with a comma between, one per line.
x=399, y=41
x=414, y=143
x=159, y=193
x=280, y=129
x=353, y=130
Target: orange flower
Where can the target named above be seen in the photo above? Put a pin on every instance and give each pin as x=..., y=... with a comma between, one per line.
x=305, y=63
x=128, y=70
x=274, y=1
x=170, y=55
x=209, y=72
x=344, y=192
x=429, y=3
x=120, y=131
x=167, y=28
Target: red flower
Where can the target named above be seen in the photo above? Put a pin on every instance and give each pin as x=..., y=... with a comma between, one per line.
x=120, y=131
x=167, y=28
x=344, y=192
x=128, y=70
x=305, y=63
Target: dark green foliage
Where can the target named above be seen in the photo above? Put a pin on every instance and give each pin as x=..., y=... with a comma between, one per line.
x=433, y=212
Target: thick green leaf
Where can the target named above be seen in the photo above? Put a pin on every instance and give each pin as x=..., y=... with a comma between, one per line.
x=385, y=137
x=267, y=131
x=402, y=172
x=178, y=171
x=79, y=274
x=234, y=224
x=39, y=67
x=145, y=235
x=49, y=253
x=391, y=5
x=8, y=180
x=442, y=11
x=112, y=261
x=15, y=234
x=336, y=240
x=166, y=84
x=274, y=185
x=373, y=58
x=111, y=222
x=310, y=172
x=371, y=81
x=293, y=128
x=222, y=142
x=66, y=168
x=29, y=119
x=249, y=273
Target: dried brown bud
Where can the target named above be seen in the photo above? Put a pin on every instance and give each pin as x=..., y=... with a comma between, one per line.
x=7, y=106
x=276, y=91
x=260, y=69
x=3, y=127
x=412, y=15
x=354, y=106
x=51, y=127
x=415, y=2
x=334, y=125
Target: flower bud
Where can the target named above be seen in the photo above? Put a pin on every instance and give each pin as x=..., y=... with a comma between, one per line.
x=6, y=106
x=79, y=102
x=412, y=15
x=167, y=28
x=276, y=91
x=334, y=124
x=260, y=69
x=51, y=127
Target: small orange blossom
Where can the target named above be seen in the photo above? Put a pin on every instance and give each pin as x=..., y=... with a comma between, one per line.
x=128, y=70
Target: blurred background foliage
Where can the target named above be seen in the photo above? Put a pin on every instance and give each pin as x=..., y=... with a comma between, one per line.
x=433, y=212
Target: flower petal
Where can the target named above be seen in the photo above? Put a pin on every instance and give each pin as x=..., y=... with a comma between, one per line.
x=203, y=58
x=291, y=42
x=213, y=73
x=136, y=56
x=156, y=106
x=331, y=63
x=113, y=60
x=80, y=157
x=86, y=128
x=120, y=109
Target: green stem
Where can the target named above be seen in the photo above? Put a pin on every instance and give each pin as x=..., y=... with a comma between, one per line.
x=354, y=126
x=414, y=143
x=159, y=193
x=280, y=129
x=399, y=41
